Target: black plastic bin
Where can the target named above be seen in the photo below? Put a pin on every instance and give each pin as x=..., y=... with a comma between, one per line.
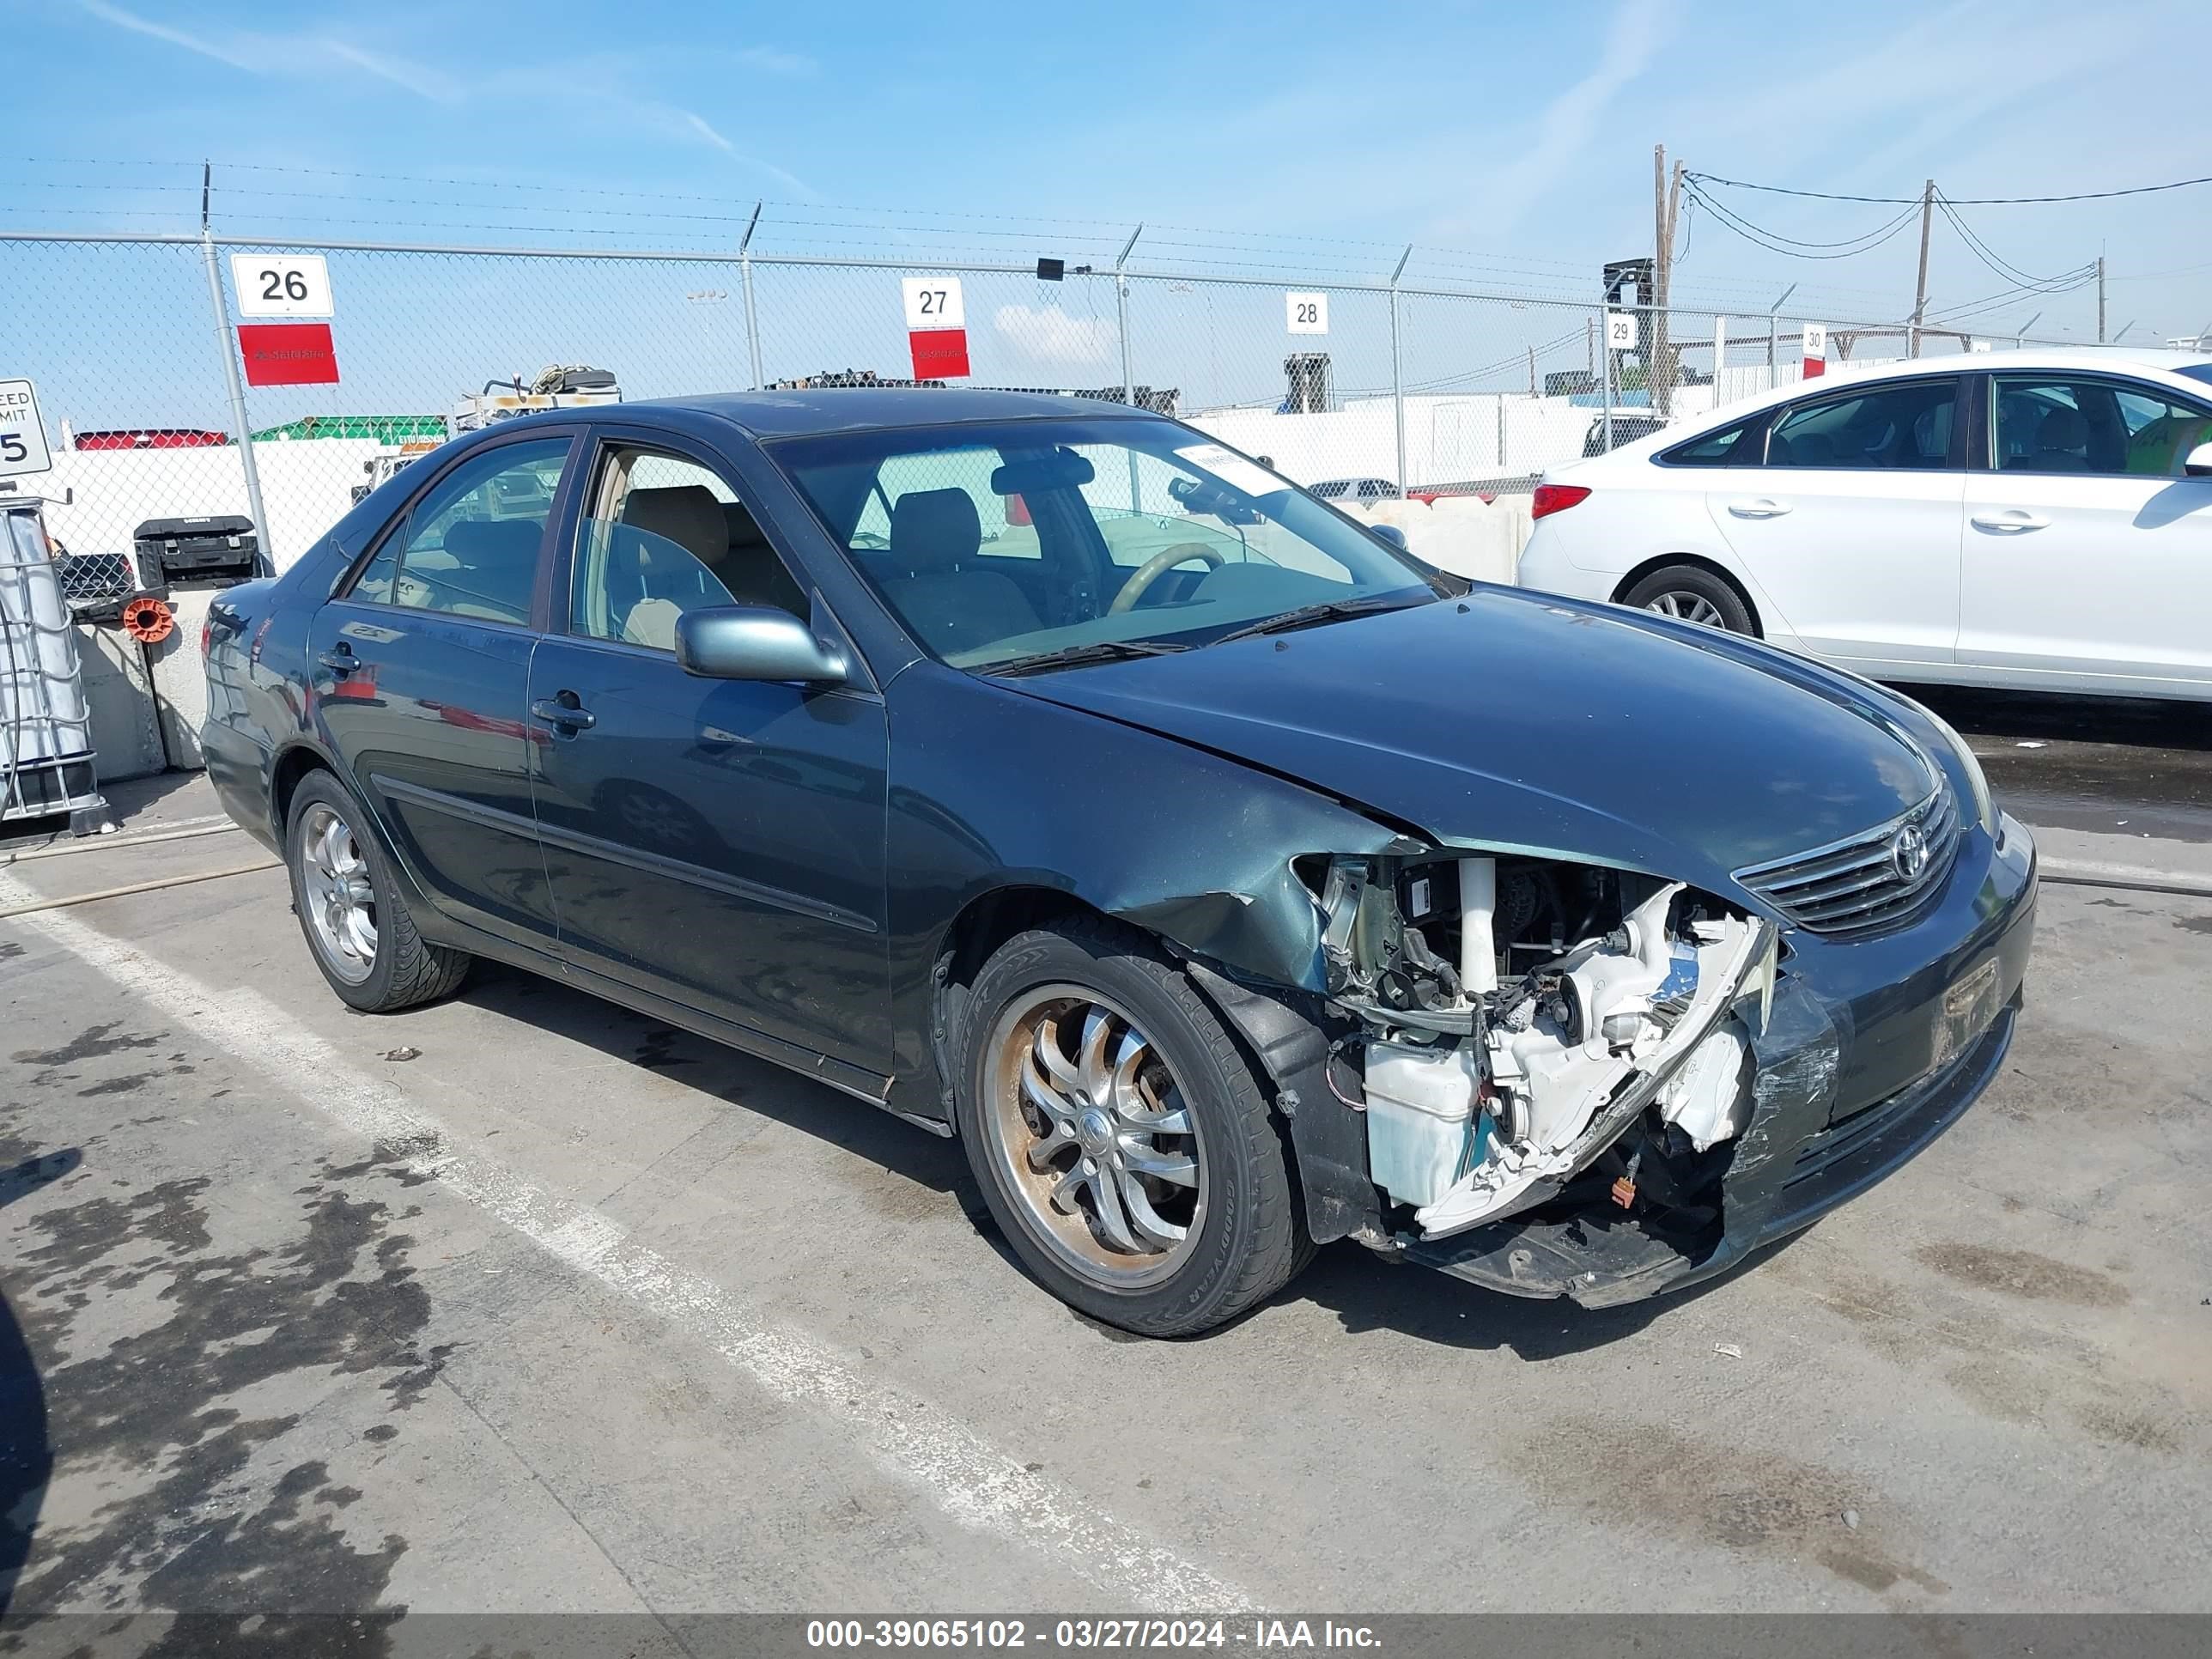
x=196, y=549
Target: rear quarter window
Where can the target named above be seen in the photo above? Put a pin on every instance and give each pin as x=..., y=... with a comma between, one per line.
x=1726, y=447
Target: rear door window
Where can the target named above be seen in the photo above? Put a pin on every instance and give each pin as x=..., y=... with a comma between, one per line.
x=1721, y=449
x=470, y=545
x=1897, y=425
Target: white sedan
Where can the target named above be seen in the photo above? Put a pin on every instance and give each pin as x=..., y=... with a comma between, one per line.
x=2038, y=519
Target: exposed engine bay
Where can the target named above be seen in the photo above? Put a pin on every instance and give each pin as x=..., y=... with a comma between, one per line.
x=1530, y=1031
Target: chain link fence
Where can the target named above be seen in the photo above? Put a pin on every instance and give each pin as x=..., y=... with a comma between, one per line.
x=1367, y=387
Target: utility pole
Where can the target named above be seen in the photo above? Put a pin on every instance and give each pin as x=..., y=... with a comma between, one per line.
x=1920, y=287
x=2100, y=298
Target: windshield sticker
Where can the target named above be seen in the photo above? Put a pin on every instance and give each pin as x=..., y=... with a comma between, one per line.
x=1234, y=470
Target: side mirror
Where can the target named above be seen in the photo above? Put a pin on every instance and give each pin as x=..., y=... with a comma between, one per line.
x=1390, y=533
x=2198, y=463
x=755, y=642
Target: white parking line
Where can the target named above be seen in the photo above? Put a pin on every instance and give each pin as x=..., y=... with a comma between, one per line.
x=963, y=1473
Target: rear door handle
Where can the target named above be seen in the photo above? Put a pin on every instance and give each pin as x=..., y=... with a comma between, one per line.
x=564, y=712
x=2011, y=520
x=1761, y=508
x=340, y=661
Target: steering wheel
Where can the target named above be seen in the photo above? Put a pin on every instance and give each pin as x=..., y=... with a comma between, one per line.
x=1159, y=566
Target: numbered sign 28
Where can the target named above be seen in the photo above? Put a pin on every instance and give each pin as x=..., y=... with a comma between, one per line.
x=1306, y=314
x=1620, y=330
x=932, y=302
x=281, y=284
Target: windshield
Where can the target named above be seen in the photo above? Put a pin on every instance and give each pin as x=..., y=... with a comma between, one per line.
x=2197, y=371
x=1002, y=541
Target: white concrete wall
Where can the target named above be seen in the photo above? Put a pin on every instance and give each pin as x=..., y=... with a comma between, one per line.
x=306, y=485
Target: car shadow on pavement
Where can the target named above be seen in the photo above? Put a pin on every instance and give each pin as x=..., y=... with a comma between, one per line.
x=1363, y=1293
x=27, y=1458
x=1366, y=1293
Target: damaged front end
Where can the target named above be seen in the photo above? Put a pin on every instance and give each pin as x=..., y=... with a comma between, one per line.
x=1533, y=1038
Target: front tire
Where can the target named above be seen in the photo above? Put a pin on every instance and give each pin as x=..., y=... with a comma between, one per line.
x=1690, y=593
x=357, y=926
x=1119, y=1137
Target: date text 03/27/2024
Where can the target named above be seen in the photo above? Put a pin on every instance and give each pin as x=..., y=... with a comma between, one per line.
x=1009, y=1634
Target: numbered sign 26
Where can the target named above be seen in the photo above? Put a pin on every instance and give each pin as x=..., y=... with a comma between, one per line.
x=932, y=302
x=281, y=284
x=1306, y=314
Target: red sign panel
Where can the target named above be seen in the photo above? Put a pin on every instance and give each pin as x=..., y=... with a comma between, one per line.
x=939, y=354
x=287, y=354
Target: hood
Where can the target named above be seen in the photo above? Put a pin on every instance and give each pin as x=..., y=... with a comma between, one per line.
x=1519, y=722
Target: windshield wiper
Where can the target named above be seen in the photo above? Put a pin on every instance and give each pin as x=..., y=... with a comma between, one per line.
x=1309, y=616
x=1074, y=656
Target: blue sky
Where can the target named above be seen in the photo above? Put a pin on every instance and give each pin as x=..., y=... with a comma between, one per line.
x=1511, y=144
x=1519, y=134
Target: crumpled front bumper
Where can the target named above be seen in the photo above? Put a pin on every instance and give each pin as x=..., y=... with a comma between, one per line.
x=1870, y=1051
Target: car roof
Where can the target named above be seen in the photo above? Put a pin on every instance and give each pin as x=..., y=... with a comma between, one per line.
x=844, y=408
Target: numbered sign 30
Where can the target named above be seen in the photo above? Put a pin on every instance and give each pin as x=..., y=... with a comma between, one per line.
x=1306, y=314
x=932, y=302
x=1815, y=349
x=281, y=284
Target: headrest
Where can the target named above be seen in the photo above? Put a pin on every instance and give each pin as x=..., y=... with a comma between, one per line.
x=2062, y=429
x=477, y=542
x=687, y=514
x=744, y=530
x=934, y=530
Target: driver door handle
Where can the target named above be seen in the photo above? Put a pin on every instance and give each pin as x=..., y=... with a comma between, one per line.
x=564, y=712
x=340, y=661
x=1760, y=508
x=2011, y=521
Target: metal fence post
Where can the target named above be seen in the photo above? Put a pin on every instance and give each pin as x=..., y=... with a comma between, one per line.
x=1773, y=312
x=1398, y=372
x=745, y=281
x=242, y=432
x=1128, y=378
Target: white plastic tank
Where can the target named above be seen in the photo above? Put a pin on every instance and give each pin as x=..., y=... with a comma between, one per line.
x=1421, y=1120
x=43, y=714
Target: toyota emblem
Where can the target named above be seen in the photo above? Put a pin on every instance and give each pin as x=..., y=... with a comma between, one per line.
x=1908, y=853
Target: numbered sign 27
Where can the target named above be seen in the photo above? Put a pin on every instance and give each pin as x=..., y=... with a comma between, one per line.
x=1306, y=314
x=932, y=302
x=281, y=284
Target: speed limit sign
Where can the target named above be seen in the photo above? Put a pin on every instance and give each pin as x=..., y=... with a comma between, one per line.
x=1620, y=330
x=22, y=436
x=281, y=284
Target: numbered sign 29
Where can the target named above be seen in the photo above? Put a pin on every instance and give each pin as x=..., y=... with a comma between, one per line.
x=932, y=302
x=1620, y=330
x=281, y=284
x=22, y=437
x=1306, y=314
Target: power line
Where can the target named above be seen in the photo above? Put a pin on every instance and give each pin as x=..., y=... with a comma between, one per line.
x=1961, y=201
x=1796, y=247
x=2003, y=267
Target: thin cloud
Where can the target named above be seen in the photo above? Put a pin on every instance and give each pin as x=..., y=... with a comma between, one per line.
x=774, y=60
x=268, y=54
x=1571, y=120
x=1051, y=335
x=423, y=82
x=176, y=37
x=699, y=126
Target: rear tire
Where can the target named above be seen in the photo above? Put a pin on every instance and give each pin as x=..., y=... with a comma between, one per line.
x=1119, y=1136
x=1690, y=593
x=356, y=924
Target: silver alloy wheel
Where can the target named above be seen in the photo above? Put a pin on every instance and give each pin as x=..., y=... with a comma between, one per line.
x=1093, y=1139
x=341, y=902
x=1689, y=607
